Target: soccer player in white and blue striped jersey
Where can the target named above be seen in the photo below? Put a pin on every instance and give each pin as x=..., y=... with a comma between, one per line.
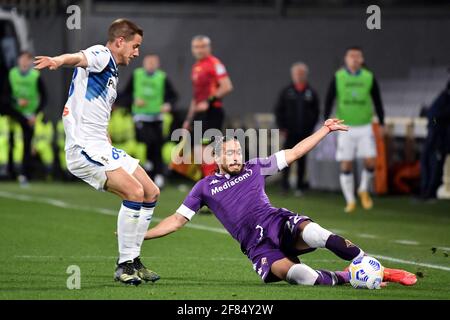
x=89, y=153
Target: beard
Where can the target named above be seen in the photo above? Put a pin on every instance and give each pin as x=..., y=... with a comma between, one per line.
x=231, y=172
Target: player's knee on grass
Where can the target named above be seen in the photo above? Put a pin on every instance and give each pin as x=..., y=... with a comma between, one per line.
x=315, y=236
x=302, y=274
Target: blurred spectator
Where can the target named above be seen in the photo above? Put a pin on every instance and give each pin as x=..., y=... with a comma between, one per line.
x=150, y=94
x=357, y=93
x=297, y=112
x=27, y=98
x=436, y=145
x=123, y=134
x=211, y=84
x=42, y=144
x=4, y=145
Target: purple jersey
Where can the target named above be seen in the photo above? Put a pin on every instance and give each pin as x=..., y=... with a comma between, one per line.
x=239, y=202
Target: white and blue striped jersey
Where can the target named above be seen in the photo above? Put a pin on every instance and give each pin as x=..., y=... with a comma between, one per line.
x=91, y=95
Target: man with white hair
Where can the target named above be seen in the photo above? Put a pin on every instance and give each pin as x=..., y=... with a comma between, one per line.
x=297, y=112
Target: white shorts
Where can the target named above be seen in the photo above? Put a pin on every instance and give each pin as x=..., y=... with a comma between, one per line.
x=357, y=142
x=90, y=165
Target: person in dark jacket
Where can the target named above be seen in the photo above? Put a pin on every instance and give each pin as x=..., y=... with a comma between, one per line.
x=436, y=145
x=297, y=112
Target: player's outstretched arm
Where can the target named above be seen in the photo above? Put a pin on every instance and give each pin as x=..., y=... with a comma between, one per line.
x=168, y=225
x=69, y=59
x=304, y=146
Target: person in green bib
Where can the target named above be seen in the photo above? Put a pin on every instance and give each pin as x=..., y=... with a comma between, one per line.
x=27, y=98
x=357, y=94
x=150, y=94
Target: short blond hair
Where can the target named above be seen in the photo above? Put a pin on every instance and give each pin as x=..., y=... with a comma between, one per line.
x=123, y=28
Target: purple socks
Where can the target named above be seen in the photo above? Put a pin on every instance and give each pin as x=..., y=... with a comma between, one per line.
x=341, y=247
x=329, y=278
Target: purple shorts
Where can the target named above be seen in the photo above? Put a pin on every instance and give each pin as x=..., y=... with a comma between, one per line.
x=278, y=243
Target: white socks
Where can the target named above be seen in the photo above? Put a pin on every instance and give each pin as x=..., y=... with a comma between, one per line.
x=348, y=184
x=315, y=236
x=366, y=180
x=302, y=274
x=145, y=218
x=127, y=223
x=132, y=224
x=348, y=187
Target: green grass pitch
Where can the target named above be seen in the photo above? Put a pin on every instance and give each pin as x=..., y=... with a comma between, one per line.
x=48, y=227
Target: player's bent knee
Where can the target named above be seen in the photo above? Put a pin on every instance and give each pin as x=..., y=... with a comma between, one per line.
x=135, y=193
x=346, y=166
x=315, y=236
x=151, y=194
x=302, y=274
x=156, y=192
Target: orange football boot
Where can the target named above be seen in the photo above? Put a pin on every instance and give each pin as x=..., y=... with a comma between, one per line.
x=399, y=276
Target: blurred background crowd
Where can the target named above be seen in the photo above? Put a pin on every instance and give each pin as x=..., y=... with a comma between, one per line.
x=259, y=64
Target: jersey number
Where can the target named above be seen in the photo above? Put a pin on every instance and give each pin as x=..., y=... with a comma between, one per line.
x=116, y=153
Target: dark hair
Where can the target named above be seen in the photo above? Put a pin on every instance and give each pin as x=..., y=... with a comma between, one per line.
x=358, y=48
x=26, y=53
x=219, y=141
x=123, y=28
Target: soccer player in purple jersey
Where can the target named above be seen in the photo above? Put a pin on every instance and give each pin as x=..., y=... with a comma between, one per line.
x=272, y=238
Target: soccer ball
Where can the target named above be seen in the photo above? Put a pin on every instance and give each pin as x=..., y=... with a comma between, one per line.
x=366, y=273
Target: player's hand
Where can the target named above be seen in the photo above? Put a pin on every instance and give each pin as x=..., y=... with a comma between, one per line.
x=381, y=131
x=202, y=106
x=42, y=62
x=187, y=125
x=139, y=102
x=165, y=108
x=335, y=125
x=31, y=121
x=22, y=102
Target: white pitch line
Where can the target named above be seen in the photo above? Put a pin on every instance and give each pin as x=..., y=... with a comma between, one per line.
x=31, y=257
x=428, y=265
x=63, y=204
x=407, y=242
x=366, y=235
x=115, y=257
x=338, y=231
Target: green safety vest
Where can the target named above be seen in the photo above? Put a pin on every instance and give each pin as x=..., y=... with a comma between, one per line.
x=121, y=126
x=43, y=131
x=60, y=134
x=354, y=102
x=25, y=86
x=4, y=140
x=149, y=88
